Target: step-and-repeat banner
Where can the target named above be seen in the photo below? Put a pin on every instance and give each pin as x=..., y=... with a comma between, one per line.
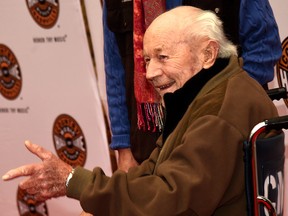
x=281, y=74
x=94, y=13
x=48, y=94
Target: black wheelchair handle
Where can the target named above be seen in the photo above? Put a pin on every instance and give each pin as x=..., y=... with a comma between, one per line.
x=277, y=123
x=277, y=93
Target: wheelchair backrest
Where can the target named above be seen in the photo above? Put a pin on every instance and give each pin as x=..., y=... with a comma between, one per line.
x=264, y=168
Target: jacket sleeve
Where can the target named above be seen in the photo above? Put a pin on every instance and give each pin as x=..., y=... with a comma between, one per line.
x=259, y=38
x=115, y=87
x=199, y=168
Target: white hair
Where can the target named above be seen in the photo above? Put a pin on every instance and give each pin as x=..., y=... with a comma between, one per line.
x=198, y=24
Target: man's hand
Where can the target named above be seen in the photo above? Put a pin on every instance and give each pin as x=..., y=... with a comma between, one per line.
x=46, y=179
x=126, y=159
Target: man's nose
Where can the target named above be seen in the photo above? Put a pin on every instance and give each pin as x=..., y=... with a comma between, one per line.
x=153, y=69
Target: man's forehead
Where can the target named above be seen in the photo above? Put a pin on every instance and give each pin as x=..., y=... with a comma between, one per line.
x=163, y=25
x=159, y=43
x=163, y=39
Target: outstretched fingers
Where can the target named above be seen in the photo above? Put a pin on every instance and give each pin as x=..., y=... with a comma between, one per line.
x=26, y=170
x=39, y=151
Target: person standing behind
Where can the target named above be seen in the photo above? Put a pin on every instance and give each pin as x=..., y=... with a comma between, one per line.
x=250, y=24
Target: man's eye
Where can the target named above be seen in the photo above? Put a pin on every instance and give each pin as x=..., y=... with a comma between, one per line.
x=146, y=60
x=163, y=57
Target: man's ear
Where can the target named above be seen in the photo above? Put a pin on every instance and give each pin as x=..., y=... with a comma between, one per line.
x=210, y=54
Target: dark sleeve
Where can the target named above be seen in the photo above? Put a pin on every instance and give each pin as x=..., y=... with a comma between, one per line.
x=200, y=168
x=115, y=88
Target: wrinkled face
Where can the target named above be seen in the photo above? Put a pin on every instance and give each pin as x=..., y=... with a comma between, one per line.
x=170, y=61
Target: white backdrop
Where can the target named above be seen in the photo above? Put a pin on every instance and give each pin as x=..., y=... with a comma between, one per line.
x=57, y=77
x=94, y=17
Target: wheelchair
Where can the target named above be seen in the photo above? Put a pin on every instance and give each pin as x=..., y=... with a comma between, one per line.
x=264, y=157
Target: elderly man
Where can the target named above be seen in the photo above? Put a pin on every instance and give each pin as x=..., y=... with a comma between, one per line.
x=197, y=167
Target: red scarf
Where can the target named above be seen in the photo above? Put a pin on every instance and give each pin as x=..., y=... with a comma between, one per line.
x=149, y=109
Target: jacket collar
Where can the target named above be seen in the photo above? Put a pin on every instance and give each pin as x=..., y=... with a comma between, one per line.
x=176, y=103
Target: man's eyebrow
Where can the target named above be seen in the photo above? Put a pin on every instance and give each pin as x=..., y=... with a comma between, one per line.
x=158, y=49
x=155, y=50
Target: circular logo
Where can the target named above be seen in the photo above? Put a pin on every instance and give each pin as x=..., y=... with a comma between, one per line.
x=44, y=12
x=27, y=205
x=69, y=141
x=282, y=68
x=10, y=74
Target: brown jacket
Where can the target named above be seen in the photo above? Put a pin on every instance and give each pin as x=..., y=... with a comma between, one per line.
x=199, y=169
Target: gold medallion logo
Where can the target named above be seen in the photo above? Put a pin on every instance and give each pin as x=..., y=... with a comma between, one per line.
x=28, y=206
x=10, y=74
x=69, y=140
x=44, y=12
x=282, y=68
